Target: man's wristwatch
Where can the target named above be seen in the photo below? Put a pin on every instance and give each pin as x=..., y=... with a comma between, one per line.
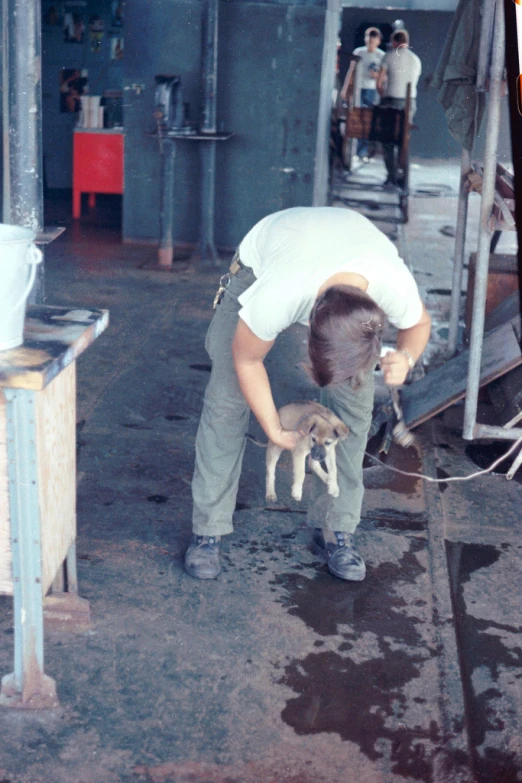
x=407, y=354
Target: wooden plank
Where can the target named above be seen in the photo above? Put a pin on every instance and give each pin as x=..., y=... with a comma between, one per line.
x=6, y=566
x=53, y=338
x=446, y=384
x=56, y=454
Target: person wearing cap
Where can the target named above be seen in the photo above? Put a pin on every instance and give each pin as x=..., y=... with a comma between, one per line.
x=399, y=67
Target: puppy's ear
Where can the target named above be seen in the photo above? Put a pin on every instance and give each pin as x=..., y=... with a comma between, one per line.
x=341, y=431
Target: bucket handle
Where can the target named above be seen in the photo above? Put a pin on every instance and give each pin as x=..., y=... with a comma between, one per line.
x=35, y=257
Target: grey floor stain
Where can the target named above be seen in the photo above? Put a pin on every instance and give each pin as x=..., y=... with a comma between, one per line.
x=202, y=367
x=157, y=498
x=400, y=521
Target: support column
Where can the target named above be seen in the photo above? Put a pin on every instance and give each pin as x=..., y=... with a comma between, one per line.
x=331, y=32
x=486, y=206
x=24, y=58
x=208, y=148
x=458, y=259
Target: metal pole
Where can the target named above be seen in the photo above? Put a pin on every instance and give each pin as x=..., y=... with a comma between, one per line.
x=488, y=194
x=210, y=59
x=458, y=259
x=6, y=216
x=498, y=433
x=485, y=46
x=331, y=32
x=208, y=148
x=166, y=247
x=25, y=121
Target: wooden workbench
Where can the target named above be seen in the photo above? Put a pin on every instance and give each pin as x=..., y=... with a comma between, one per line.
x=38, y=487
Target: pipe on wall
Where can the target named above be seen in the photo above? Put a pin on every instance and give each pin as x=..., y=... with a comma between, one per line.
x=24, y=57
x=331, y=33
x=208, y=148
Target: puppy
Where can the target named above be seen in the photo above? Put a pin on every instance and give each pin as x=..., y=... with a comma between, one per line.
x=321, y=431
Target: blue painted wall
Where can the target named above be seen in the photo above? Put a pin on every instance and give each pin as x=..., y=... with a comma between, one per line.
x=103, y=74
x=268, y=92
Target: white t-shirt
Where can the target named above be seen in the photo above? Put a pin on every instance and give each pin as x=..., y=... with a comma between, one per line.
x=401, y=66
x=370, y=61
x=293, y=252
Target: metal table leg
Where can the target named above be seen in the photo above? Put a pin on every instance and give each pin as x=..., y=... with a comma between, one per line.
x=27, y=686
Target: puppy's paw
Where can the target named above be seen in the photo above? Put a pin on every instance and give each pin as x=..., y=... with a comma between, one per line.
x=333, y=490
x=271, y=498
x=297, y=494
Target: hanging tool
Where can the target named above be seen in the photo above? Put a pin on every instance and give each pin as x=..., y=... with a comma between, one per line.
x=400, y=432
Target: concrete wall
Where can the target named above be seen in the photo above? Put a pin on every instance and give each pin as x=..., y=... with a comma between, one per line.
x=103, y=74
x=428, y=30
x=268, y=92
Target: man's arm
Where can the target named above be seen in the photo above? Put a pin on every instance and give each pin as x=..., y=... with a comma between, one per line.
x=381, y=81
x=249, y=351
x=347, y=81
x=412, y=341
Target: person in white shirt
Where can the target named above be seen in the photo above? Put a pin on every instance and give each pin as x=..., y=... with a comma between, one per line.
x=334, y=271
x=399, y=67
x=363, y=73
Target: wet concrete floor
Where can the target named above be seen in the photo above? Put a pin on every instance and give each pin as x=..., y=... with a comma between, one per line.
x=276, y=671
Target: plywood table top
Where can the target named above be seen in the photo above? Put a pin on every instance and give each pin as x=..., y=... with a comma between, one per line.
x=53, y=338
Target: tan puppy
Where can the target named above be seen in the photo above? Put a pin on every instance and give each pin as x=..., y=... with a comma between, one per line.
x=321, y=430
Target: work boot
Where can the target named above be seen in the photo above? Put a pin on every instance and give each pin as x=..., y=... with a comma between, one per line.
x=342, y=558
x=202, y=557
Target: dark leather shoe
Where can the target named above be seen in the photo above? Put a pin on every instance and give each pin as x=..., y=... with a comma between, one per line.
x=342, y=558
x=202, y=557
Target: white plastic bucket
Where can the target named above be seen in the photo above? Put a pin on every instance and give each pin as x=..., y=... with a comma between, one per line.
x=18, y=258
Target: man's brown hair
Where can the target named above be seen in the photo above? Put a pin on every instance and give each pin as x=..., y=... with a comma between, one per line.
x=401, y=37
x=373, y=32
x=345, y=335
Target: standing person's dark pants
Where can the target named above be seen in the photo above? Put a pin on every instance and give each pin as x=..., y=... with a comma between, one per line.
x=390, y=150
x=368, y=101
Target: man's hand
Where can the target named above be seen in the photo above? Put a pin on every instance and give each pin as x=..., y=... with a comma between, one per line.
x=286, y=439
x=395, y=368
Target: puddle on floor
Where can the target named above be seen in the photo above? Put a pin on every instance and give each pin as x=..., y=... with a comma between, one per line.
x=363, y=702
x=377, y=476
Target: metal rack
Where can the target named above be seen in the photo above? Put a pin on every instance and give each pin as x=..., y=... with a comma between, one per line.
x=494, y=211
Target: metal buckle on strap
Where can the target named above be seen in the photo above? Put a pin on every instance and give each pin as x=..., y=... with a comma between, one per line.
x=236, y=264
